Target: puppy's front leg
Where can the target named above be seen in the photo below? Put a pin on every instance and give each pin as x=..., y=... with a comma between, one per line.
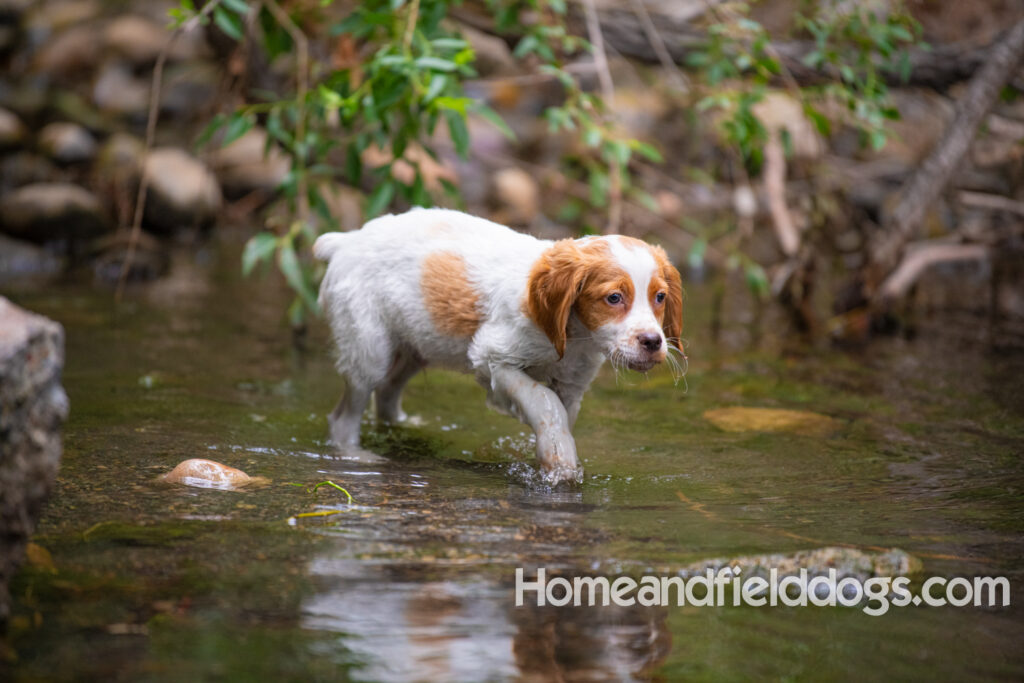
x=539, y=407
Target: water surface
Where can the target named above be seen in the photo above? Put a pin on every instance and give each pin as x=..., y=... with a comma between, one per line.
x=414, y=580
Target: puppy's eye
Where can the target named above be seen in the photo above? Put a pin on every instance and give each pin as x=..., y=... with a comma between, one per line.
x=614, y=298
x=660, y=297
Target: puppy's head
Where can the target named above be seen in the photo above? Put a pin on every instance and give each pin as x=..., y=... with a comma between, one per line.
x=624, y=291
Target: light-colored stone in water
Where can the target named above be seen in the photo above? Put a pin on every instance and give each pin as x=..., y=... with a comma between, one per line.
x=116, y=90
x=70, y=52
x=140, y=40
x=518, y=196
x=742, y=419
x=182, y=190
x=121, y=153
x=209, y=474
x=67, y=143
x=49, y=211
x=12, y=130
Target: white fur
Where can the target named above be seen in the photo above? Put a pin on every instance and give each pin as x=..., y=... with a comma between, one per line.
x=384, y=334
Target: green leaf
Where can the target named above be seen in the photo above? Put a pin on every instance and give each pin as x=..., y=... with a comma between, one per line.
x=458, y=104
x=449, y=43
x=757, y=279
x=239, y=6
x=353, y=164
x=291, y=268
x=380, y=198
x=436, y=87
x=229, y=23
x=695, y=257
x=819, y=120
x=239, y=125
x=494, y=118
x=436, y=64
x=647, y=151
x=459, y=132
x=877, y=138
x=211, y=129
x=257, y=250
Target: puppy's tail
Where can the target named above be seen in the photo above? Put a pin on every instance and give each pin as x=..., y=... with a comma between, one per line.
x=327, y=244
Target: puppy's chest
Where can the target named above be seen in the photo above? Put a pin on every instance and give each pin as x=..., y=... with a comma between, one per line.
x=576, y=368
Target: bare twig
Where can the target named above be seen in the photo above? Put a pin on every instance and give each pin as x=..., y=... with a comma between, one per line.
x=658, y=45
x=921, y=257
x=604, y=76
x=153, y=115
x=932, y=176
x=995, y=202
x=775, y=188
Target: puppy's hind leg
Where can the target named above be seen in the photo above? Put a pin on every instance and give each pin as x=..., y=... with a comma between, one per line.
x=388, y=395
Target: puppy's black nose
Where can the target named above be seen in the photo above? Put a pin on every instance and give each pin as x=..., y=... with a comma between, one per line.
x=650, y=341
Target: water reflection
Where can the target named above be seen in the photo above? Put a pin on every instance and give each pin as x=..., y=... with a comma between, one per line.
x=401, y=625
x=423, y=589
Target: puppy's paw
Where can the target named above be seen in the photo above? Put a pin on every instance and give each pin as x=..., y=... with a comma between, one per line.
x=360, y=455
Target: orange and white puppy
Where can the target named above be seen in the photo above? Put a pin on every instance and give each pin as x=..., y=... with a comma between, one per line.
x=532, y=319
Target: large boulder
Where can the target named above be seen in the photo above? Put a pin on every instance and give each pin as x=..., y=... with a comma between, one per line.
x=183, y=192
x=33, y=406
x=43, y=212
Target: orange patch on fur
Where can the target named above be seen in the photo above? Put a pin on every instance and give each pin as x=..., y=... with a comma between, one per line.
x=449, y=295
x=671, y=315
x=571, y=276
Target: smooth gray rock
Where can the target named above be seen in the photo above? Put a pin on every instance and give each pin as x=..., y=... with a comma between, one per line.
x=12, y=130
x=51, y=211
x=33, y=406
x=117, y=91
x=183, y=192
x=67, y=143
x=25, y=168
x=21, y=260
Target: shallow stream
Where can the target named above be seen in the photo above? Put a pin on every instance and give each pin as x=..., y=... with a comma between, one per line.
x=414, y=581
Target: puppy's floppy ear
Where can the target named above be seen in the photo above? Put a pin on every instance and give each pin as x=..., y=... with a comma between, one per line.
x=672, y=323
x=554, y=285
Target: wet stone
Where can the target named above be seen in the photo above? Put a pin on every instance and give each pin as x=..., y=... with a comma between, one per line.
x=51, y=211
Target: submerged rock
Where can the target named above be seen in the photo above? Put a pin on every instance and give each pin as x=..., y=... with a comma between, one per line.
x=117, y=91
x=12, y=130
x=741, y=419
x=67, y=143
x=848, y=562
x=209, y=474
x=26, y=168
x=149, y=259
x=122, y=153
x=71, y=53
x=49, y=211
x=21, y=260
x=33, y=406
x=183, y=192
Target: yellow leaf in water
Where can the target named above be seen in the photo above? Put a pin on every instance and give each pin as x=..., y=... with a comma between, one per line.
x=740, y=419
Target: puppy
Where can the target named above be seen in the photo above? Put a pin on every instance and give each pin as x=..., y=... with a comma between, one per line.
x=532, y=319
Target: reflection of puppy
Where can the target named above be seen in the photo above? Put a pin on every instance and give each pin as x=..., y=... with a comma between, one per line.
x=590, y=643
x=533, y=319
